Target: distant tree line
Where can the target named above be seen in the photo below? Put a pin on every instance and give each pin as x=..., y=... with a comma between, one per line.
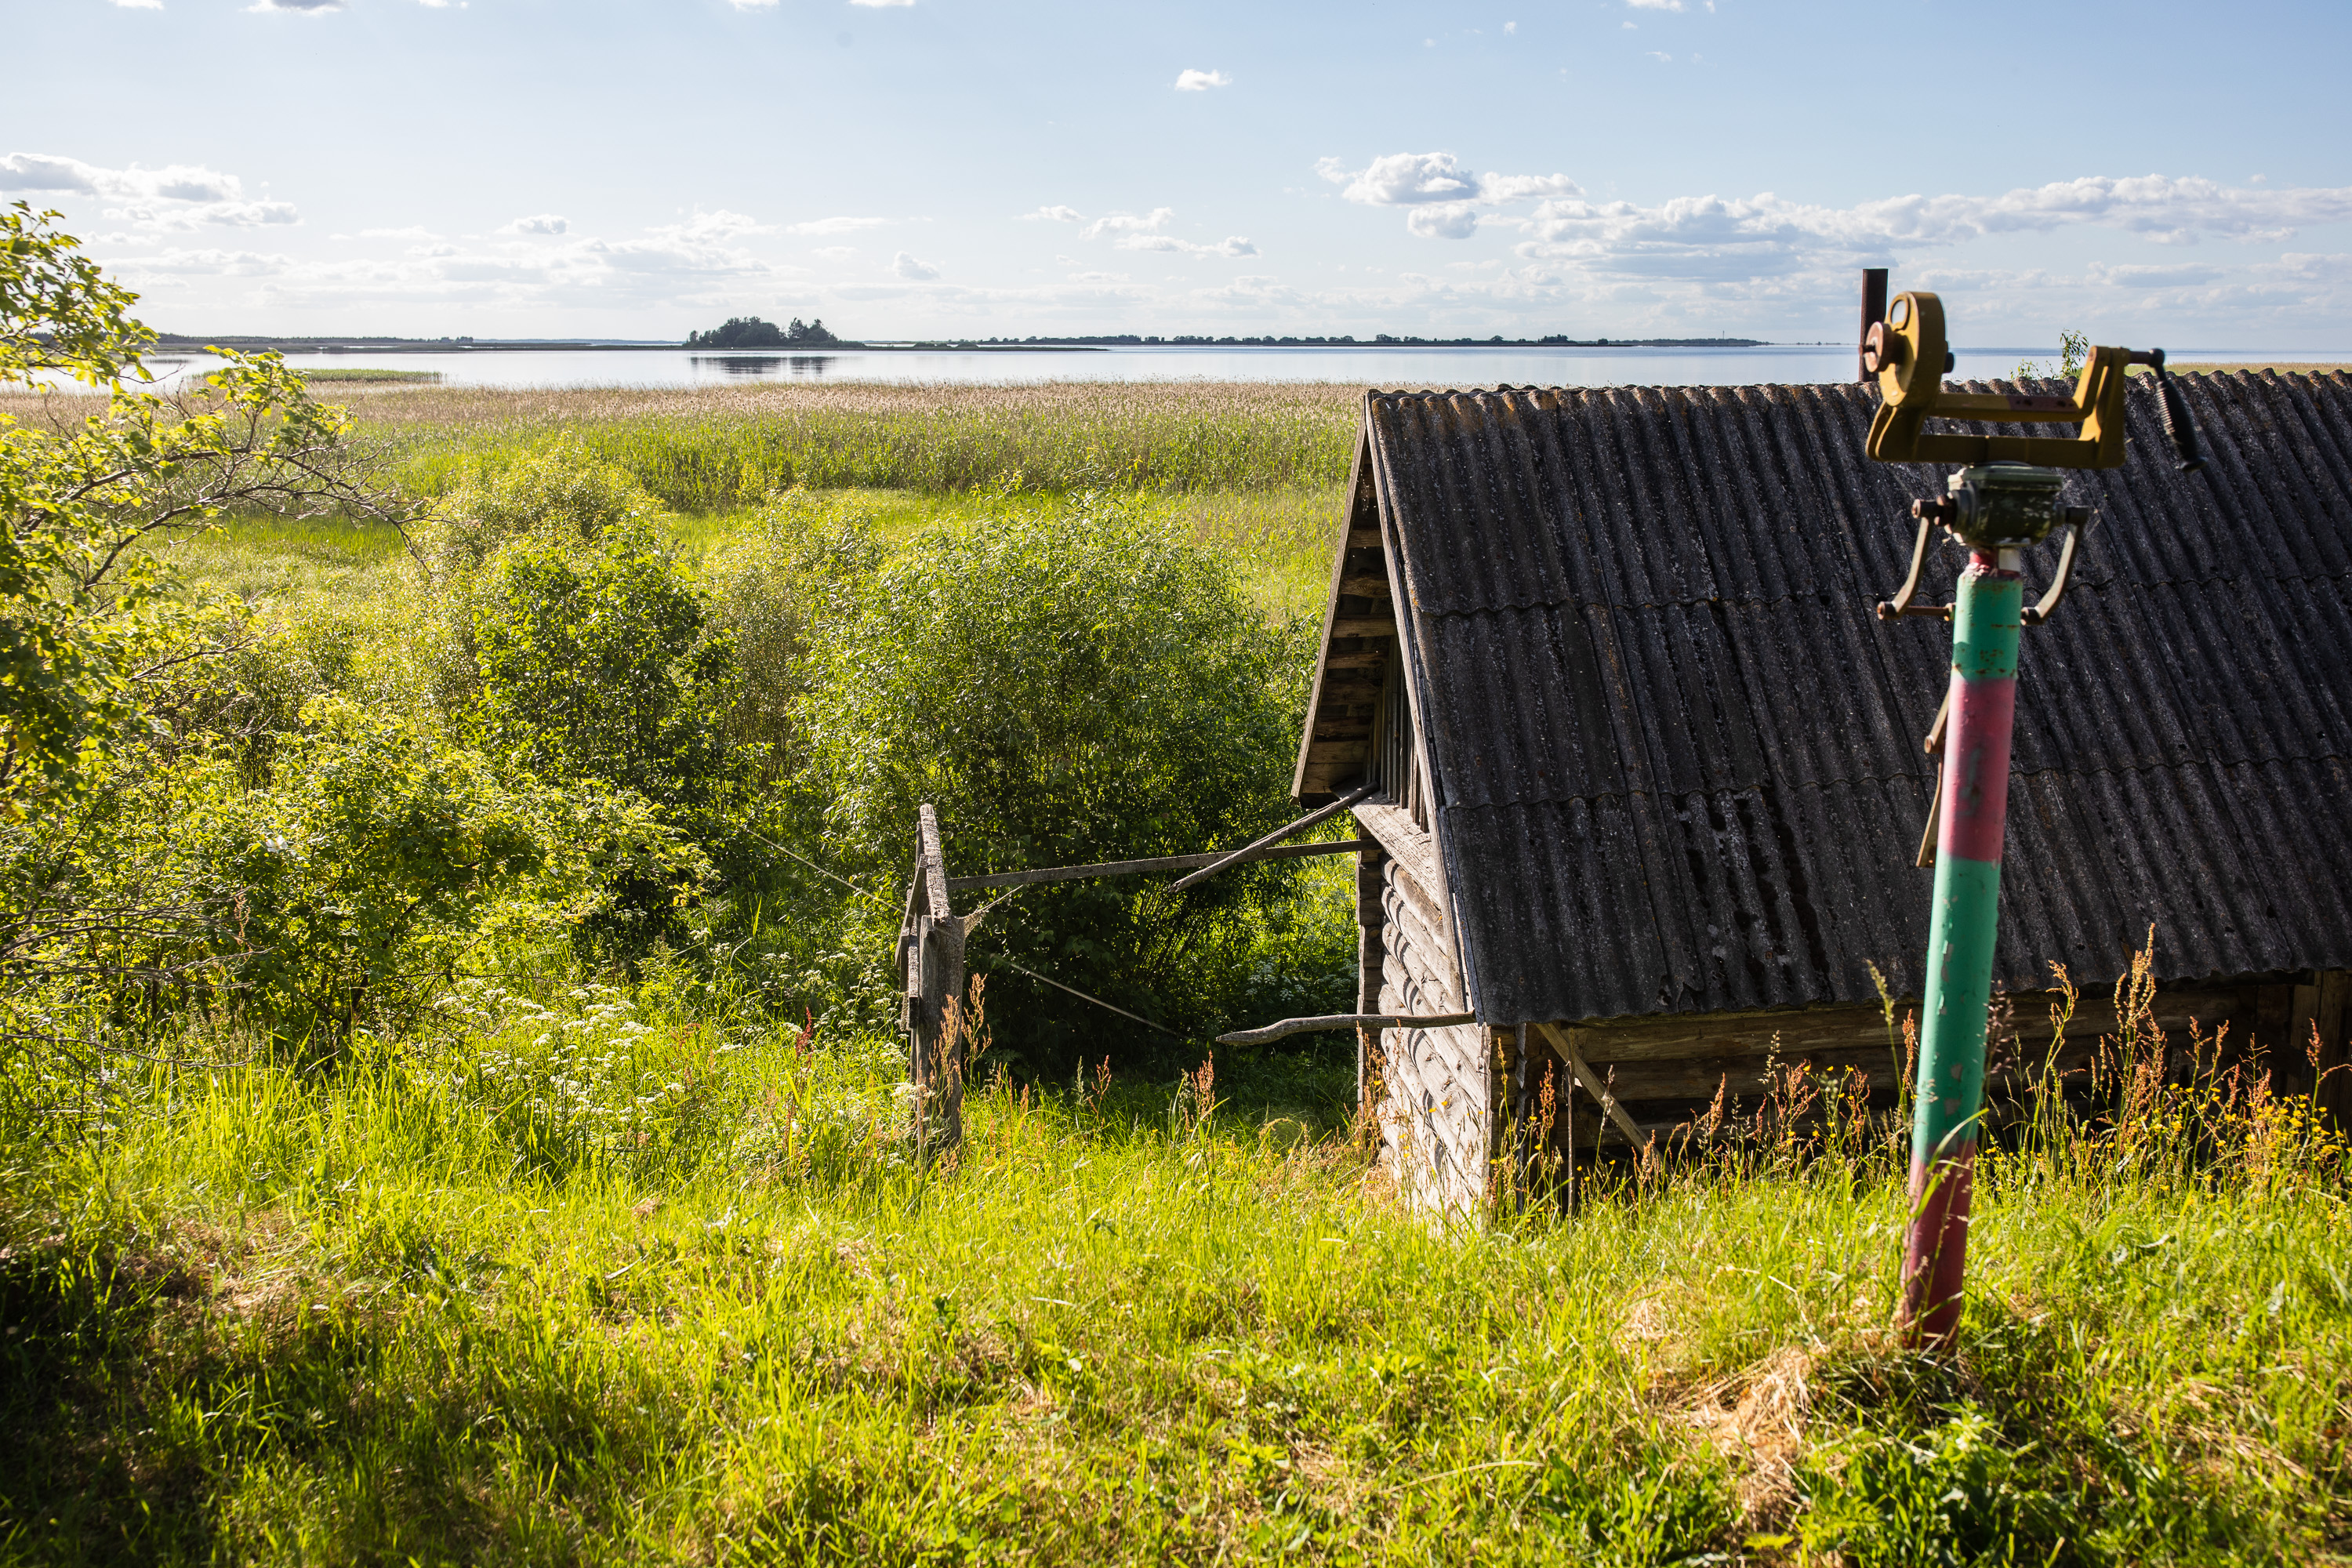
x=752, y=333
x=1555, y=340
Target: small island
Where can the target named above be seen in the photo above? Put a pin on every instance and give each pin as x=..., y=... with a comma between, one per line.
x=752, y=333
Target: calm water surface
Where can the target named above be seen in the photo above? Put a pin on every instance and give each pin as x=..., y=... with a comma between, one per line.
x=1374, y=366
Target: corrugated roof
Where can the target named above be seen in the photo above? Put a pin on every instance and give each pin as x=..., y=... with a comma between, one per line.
x=1677, y=757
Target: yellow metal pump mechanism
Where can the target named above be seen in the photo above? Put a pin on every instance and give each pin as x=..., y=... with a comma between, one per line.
x=1909, y=355
x=2004, y=500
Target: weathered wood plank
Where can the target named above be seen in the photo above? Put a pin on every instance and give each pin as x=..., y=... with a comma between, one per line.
x=1420, y=953
x=1406, y=841
x=1405, y=890
x=1373, y=659
x=1564, y=1042
x=1257, y=847
x=1133, y=867
x=1804, y=1030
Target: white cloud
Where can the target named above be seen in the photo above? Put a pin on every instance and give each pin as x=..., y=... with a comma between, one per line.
x=835, y=252
x=1201, y=82
x=836, y=225
x=175, y=182
x=1446, y=197
x=538, y=223
x=2133, y=275
x=1056, y=215
x=750, y=5
x=1403, y=179
x=297, y=7
x=881, y=4
x=1098, y=277
x=141, y=4
x=178, y=197
x=1656, y=4
x=439, y=247
x=1452, y=220
x=1713, y=238
x=1511, y=27
x=905, y=266
x=213, y=263
x=1660, y=55
x=413, y=231
x=704, y=229
x=1128, y=223
x=1231, y=245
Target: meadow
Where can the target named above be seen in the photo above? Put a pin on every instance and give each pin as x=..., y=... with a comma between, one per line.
x=621, y=1250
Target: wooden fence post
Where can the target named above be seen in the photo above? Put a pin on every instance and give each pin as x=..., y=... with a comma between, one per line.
x=930, y=970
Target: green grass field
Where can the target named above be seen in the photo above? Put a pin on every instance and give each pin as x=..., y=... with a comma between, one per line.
x=591, y=1268
x=679, y=1296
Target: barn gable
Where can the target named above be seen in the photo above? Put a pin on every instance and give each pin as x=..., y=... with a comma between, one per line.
x=1673, y=761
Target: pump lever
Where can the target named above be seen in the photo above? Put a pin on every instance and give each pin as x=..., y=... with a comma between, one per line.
x=2078, y=518
x=1929, y=513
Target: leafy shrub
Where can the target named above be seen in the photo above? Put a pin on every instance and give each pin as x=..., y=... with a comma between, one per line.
x=795, y=567
x=380, y=854
x=603, y=666
x=561, y=493
x=1065, y=687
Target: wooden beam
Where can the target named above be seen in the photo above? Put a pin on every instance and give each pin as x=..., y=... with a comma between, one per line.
x=1344, y=1021
x=1163, y=863
x=1363, y=627
x=1561, y=1041
x=1248, y=851
x=1363, y=539
x=1371, y=586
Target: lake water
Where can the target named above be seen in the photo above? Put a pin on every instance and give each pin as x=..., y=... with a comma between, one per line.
x=1365, y=366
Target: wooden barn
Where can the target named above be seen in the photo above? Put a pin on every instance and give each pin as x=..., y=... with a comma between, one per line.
x=1650, y=770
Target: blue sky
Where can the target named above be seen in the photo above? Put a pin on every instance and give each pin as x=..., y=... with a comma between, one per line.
x=2145, y=172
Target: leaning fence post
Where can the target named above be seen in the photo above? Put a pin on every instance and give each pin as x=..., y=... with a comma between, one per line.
x=932, y=942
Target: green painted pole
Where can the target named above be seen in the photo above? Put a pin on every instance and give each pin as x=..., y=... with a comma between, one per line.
x=1974, y=810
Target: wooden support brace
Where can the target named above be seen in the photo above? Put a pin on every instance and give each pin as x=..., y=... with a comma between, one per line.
x=1258, y=847
x=1344, y=1021
x=1560, y=1041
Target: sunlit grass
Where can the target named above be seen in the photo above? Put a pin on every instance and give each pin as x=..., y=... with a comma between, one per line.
x=705, y=449
x=1279, y=539
x=410, y=1310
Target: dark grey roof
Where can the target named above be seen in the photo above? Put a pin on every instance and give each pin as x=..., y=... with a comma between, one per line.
x=1677, y=757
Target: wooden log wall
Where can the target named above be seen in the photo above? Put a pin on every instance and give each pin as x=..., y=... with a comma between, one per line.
x=1438, y=1101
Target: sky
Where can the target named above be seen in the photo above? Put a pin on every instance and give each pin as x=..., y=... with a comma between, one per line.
x=2146, y=172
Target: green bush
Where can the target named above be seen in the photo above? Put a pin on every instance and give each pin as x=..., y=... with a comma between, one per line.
x=602, y=664
x=348, y=890
x=1070, y=687
x=794, y=567
x=561, y=493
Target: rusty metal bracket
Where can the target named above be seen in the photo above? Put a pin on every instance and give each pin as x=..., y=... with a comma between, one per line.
x=1933, y=746
x=1929, y=514
x=2078, y=518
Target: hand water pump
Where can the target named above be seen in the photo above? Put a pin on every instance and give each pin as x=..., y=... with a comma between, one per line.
x=2003, y=499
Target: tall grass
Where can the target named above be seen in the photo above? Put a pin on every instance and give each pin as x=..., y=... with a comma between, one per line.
x=595, y=1277
x=701, y=450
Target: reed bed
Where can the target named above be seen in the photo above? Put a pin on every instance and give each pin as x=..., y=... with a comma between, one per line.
x=707, y=448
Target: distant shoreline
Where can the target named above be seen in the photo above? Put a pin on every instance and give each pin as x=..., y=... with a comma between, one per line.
x=188, y=343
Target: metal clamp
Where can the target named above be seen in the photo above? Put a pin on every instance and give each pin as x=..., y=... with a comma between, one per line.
x=1929, y=513
x=2078, y=518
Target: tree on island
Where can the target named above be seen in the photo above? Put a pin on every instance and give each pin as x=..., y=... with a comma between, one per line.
x=752, y=333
